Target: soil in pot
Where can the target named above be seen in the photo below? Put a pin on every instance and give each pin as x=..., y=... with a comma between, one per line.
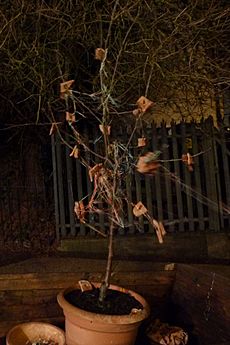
x=115, y=303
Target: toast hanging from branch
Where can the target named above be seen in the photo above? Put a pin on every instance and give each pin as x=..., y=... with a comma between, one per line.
x=140, y=210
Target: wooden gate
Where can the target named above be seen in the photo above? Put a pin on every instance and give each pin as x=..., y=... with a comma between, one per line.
x=183, y=200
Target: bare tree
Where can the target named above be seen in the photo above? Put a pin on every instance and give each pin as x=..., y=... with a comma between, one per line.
x=174, y=52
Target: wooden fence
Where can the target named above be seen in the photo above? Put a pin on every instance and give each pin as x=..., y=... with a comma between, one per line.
x=183, y=200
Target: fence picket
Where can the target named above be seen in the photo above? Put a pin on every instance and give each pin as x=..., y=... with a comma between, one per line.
x=101, y=217
x=177, y=172
x=187, y=178
x=167, y=180
x=55, y=186
x=149, y=193
x=157, y=179
x=197, y=175
x=80, y=190
x=69, y=177
x=88, y=182
x=224, y=177
x=173, y=199
x=210, y=176
x=61, y=198
x=128, y=184
x=139, y=198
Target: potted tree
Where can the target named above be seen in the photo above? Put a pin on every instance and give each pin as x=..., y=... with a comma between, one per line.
x=94, y=312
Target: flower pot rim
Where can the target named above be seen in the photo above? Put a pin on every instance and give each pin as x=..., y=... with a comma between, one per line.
x=118, y=319
x=35, y=323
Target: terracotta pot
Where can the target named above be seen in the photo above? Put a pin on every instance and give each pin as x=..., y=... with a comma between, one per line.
x=86, y=328
x=30, y=332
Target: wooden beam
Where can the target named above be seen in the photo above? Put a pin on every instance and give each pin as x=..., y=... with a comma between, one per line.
x=179, y=246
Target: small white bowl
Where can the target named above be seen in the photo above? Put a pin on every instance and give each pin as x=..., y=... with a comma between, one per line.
x=29, y=332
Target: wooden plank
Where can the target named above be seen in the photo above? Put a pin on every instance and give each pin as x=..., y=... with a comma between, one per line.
x=139, y=198
x=157, y=297
x=89, y=184
x=22, y=312
x=80, y=191
x=120, y=134
x=187, y=177
x=60, y=187
x=72, y=264
x=221, y=270
x=160, y=291
x=28, y=297
x=9, y=207
x=177, y=172
x=226, y=172
x=197, y=175
x=55, y=184
x=226, y=119
x=39, y=281
x=167, y=179
x=69, y=176
x=62, y=280
x=138, y=179
x=145, y=247
x=205, y=305
x=218, y=245
x=210, y=177
x=40, y=299
x=128, y=183
x=149, y=180
x=101, y=216
x=155, y=146
x=149, y=199
x=18, y=193
x=219, y=179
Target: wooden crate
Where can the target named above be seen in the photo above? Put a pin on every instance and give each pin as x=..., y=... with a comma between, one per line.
x=31, y=296
x=196, y=297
